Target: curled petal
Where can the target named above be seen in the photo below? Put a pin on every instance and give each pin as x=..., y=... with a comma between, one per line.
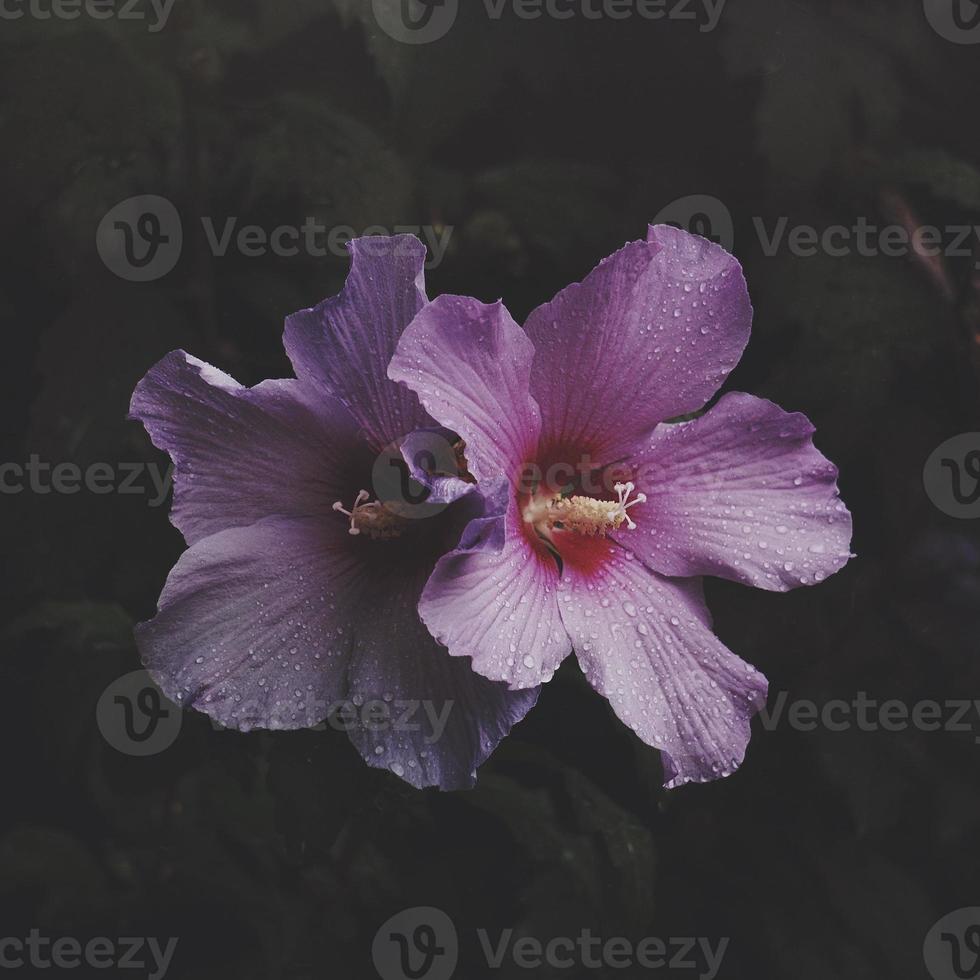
x=343, y=345
x=434, y=462
x=470, y=365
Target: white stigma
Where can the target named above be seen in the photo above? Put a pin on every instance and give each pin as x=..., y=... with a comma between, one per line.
x=623, y=491
x=359, y=502
x=372, y=517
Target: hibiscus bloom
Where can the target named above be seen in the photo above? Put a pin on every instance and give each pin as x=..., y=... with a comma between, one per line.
x=614, y=513
x=297, y=595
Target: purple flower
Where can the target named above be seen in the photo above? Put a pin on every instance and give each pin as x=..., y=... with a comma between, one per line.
x=614, y=513
x=283, y=610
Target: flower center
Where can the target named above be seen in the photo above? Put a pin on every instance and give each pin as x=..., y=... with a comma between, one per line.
x=584, y=515
x=372, y=518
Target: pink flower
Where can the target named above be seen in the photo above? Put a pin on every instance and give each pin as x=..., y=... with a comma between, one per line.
x=612, y=513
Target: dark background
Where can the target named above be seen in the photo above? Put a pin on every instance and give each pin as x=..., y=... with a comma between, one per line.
x=543, y=145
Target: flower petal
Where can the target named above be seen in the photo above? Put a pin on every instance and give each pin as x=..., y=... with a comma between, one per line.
x=432, y=462
x=470, y=365
x=253, y=624
x=741, y=493
x=242, y=454
x=651, y=333
x=444, y=720
x=493, y=599
x=343, y=345
x=279, y=624
x=644, y=643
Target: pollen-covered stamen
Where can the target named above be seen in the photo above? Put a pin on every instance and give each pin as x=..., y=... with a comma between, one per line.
x=371, y=518
x=584, y=515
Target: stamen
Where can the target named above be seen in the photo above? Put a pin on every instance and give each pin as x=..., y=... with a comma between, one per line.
x=371, y=518
x=362, y=496
x=584, y=515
